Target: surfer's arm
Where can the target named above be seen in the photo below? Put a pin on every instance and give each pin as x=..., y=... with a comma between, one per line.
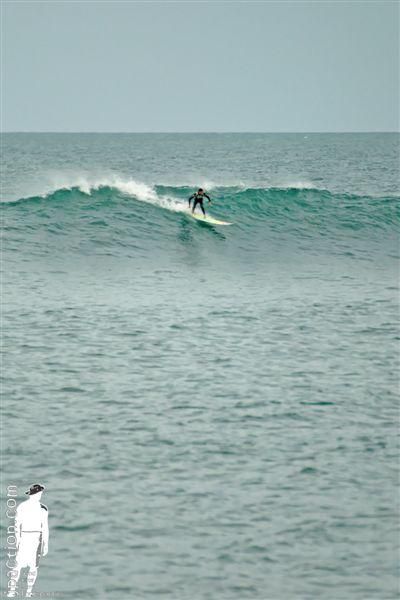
x=190, y=199
x=209, y=199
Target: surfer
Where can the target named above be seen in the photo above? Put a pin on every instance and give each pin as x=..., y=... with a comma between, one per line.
x=198, y=198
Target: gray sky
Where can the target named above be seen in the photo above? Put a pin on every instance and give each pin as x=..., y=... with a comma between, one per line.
x=200, y=66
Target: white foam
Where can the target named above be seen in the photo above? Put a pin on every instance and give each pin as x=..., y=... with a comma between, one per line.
x=206, y=184
x=146, y=193
x=301, y=185
x=294, y=185
x=130, y=187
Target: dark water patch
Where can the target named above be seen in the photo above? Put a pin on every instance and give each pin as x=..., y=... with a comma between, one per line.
x=73, y=528
x=318, y=403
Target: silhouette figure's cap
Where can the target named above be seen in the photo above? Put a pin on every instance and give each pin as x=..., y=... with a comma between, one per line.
x=34, y=489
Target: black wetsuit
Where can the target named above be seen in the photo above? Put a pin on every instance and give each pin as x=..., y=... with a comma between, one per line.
x=198, y=199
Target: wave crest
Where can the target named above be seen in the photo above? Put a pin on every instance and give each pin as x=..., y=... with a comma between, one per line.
x=251, y=205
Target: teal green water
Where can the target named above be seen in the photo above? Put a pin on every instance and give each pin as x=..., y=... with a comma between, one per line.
x=213, y=411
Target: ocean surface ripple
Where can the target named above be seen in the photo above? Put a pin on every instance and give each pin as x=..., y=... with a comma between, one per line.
x=213, y=410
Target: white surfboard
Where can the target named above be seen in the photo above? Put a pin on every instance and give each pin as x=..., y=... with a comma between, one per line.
x=208, y=219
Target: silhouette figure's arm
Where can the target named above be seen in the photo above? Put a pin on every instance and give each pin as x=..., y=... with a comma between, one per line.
x=45, y=530
x=18, y=526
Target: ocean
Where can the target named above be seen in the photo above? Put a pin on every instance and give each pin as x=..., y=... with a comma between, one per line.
x=212, y=410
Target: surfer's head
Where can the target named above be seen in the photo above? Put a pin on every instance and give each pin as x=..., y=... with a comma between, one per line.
x=200, y=191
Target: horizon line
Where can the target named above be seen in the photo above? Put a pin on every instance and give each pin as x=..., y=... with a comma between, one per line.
x=198, y=132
